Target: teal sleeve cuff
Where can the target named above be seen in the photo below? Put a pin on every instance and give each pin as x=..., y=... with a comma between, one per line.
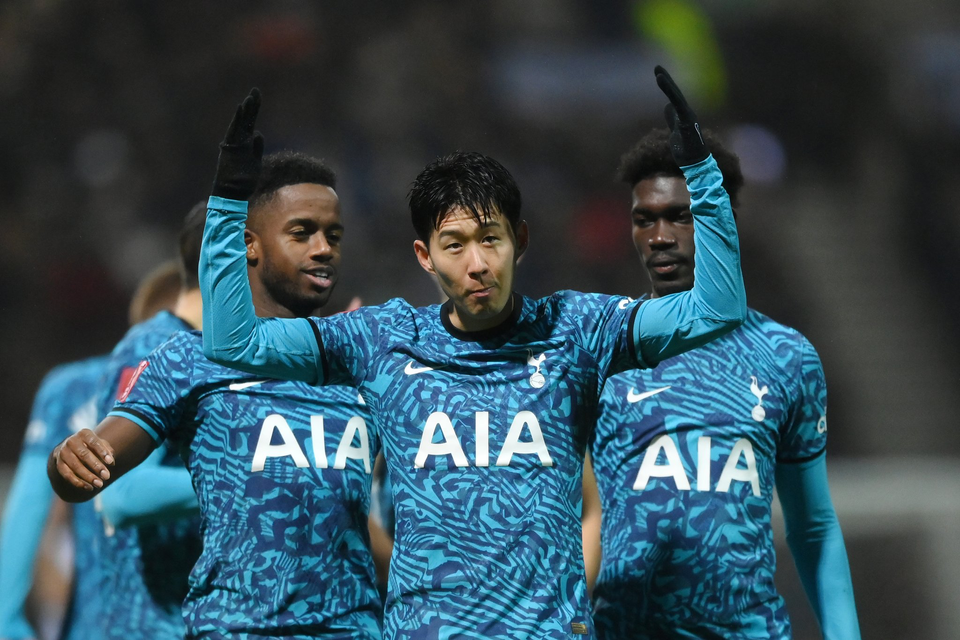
x=232, y=334
x=138, y=420
x=717, y=304
x=816, y=542
x=24, y=517
x=149, y=494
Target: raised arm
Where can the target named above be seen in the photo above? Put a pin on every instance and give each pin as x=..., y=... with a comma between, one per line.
x=717, y=303
x=232, y=334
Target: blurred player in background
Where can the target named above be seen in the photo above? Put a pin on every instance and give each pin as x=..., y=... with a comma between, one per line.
x=283, y=469
x=151, y=524
x=487, y=545
x=686, y=456
x=64, y=404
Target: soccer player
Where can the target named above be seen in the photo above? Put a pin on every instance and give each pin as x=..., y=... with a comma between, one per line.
x=486, y=401
x=64, y=404
x=282, y=469
x=686, y=456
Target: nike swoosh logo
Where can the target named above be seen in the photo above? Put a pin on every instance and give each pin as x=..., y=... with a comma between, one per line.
x=411, y=370
x=238, y=386
x=633, y=396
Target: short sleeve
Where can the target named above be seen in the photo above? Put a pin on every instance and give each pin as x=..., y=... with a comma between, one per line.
x=603, y=324
x=157, y=390
x=804, y=434
x=350, y=341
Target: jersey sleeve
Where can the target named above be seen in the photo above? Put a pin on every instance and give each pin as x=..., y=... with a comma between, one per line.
x=804, y=433
x=348, y=342
x=717, y=304
x=603, y=323
x=156, y=392
x=233, y=335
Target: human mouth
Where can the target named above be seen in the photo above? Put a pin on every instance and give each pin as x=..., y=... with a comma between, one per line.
x=321, y=277
x=663, y=265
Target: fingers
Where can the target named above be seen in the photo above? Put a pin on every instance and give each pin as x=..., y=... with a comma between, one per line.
x=258, y=144
x=250, y=109
x=82, y=460
x=673, y=93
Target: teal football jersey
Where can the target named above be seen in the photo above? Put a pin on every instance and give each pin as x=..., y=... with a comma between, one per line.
x=283, y=474
x=684, y=456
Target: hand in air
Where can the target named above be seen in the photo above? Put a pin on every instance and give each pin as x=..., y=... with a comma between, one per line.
x=686, y=143
x=241, y=152
x=83, y=458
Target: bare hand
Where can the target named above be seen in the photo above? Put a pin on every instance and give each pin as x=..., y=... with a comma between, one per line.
x=82, y=460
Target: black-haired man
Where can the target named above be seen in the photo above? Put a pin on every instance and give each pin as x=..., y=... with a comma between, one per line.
x=686, y=456
x=282, y=470
x=487, y=545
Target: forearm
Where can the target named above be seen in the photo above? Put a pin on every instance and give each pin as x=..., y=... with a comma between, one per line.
x=816, y=542
x=232, y=333
x=24, y=516
x=150, y=494
x=717, y=303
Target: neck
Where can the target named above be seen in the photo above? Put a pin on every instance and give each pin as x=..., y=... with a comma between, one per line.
x=463, y=322
x=189, y=307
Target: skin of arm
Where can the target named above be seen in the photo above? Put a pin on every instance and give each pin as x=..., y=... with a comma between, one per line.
x=84, y=464
x=816, y=542
x=592, y=553
x=717, y=304
x=24, y=515
x=150, y=493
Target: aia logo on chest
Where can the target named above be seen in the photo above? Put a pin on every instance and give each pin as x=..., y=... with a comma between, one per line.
x=673, y=466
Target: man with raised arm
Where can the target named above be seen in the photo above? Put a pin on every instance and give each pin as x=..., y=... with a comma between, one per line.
x=485, y=402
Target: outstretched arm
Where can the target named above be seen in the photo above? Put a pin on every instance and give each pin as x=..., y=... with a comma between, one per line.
x=84, y=464
x=232, y=334
x=717, y=303
x=150, y=493
x=816, y=542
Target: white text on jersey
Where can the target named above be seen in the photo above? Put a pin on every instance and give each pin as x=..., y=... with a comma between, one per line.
x=450, y=445
x=674, y=466
x=356, y=429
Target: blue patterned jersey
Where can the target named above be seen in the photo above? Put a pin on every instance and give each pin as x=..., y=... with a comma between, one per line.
x=144, y=569
x=684, y=456
x=65, y=404
x=484, y=436
x=283, y=473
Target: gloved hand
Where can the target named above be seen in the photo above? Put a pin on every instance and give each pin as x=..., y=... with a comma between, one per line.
x=241, y=153
x=686, y=143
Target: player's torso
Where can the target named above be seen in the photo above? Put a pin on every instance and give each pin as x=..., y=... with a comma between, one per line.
x=684, y=456
x=283, y=473
x=484, y=444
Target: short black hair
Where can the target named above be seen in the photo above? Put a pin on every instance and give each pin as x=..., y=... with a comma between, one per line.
x=286, y=168
x=651, y=157
x=470, y=180
x=191, y=237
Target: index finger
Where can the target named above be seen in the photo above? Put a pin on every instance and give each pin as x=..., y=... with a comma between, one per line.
x=98, y=445
x=249, y=110
x=672, y=91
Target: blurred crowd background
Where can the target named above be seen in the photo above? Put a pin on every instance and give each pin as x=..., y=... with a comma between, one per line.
x=845, y=114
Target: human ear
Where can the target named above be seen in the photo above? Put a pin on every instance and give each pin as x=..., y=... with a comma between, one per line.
x=423, y=256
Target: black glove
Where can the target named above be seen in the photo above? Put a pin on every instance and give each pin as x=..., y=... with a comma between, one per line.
x=241, y=153
x=686, y=143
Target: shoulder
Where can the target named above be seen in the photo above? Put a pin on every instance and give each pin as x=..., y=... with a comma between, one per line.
x=66, y=375
x=569, y=302
x=778, y=337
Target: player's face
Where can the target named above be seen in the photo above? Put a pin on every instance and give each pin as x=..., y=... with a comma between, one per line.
x=295, y=248
x=474, y=264
x=663, y=233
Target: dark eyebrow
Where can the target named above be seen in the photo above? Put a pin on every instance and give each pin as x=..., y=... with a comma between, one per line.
x=640, y=211
x=310, y=222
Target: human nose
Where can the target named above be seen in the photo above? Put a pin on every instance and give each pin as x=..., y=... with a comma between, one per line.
x=320, y=248
x=477, y=262
x=661, y=235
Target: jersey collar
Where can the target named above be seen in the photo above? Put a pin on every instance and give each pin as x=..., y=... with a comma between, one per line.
x=486, y=334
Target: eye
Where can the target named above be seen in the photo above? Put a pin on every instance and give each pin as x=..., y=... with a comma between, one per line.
x=334, y=238
x=452, y=246
x=685, y=217
x=643, y=223
x=491, y=239
x=299, y=232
